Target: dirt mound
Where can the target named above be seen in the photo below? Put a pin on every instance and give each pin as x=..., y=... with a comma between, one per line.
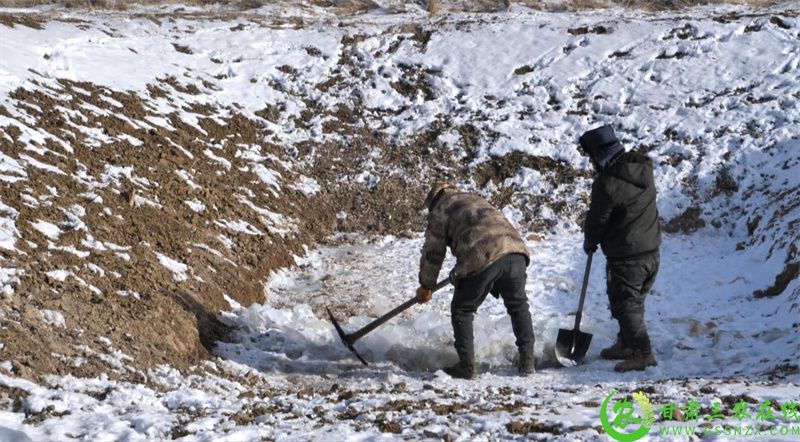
x=122, y=213
x=177, y=194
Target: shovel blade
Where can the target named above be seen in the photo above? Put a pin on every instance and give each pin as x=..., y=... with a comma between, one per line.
x=571, y=346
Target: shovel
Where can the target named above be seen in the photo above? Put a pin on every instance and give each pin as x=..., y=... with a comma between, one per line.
x=572, y=345
x=349, y=339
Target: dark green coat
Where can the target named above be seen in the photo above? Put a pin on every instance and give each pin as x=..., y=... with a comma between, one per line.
x=623, y=217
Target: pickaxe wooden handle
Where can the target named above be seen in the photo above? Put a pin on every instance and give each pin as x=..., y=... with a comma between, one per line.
x=349, y=339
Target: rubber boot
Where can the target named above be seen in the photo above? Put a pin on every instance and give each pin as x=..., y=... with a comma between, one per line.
x=638, y=362
x=464, y=369
x=527, y=363
x=617, y=351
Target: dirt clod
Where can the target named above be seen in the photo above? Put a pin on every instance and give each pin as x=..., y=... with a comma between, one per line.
x=390, y=427
x=687, y=222
x=518, y=427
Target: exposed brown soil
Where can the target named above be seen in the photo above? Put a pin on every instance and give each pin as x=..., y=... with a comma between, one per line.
x=122, y=213
x=725, y=184
x=517, y=427
x=782, y=280
x=173, y=322
x=30, y=20
x=687, y=222
x=583, y=30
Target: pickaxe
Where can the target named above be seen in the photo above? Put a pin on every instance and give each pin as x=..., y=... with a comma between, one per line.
x=350, y=339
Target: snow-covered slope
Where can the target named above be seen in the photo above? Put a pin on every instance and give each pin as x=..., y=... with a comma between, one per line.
x=165, y=164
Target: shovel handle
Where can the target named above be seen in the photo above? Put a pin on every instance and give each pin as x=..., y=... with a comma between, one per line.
x=358, y=334
x=586, y=272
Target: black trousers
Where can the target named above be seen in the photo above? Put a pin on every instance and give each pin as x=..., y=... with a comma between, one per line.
x=504, y=278
x=627, y=283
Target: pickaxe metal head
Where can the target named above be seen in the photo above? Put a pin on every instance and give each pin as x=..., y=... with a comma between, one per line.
x=344, y=336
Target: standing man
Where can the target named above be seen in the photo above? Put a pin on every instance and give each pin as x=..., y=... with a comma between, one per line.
x=491, y=258
x=623, y=219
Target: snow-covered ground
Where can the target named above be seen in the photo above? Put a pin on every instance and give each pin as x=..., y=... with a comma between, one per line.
x=700, y=311
x=711, y=94
x=287, y=376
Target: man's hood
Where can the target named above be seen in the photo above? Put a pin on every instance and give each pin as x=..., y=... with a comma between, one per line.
x=437, y=192
x=631, y=167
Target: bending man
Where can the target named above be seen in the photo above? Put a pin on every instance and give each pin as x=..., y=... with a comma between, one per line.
x=491, y=258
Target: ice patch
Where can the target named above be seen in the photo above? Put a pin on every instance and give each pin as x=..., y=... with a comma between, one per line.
x=292, y=323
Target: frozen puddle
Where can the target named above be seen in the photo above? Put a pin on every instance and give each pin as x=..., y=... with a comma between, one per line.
x=287, y=376
x=702, y=317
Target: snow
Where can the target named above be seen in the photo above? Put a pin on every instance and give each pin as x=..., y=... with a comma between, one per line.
x=69, y=249
x=9, y=280
x=47, y=229
x=8, y=229
x=125, y=293
x=227, y=242
x=308, y=186
x=239, y=226
x=40, y=165
x=225, y=163
x=54, y=318
x=623, y=75
x=275, y=222
x=267, y=176
x=177, y=268
x=196, y=205
x=305, y=381
x=187, y=178
x=10, y=169
x=689, y=100
x=59, y=275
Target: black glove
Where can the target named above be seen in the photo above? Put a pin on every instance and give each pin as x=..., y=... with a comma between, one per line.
x=589, y=248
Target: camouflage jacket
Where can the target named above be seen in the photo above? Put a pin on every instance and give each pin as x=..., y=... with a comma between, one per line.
x=477, y=234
